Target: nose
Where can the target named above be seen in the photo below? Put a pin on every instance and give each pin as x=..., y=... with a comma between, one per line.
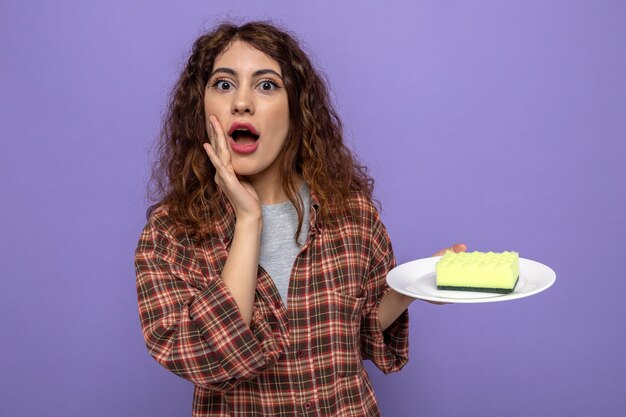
x=242, y=102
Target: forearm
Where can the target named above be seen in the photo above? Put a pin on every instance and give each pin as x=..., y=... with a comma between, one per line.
x=240, y=270
x=392, y=305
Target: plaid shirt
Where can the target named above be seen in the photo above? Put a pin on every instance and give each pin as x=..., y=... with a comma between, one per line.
x=305, y=360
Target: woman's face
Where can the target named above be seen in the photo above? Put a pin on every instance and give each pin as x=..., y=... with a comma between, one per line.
x=247, y=95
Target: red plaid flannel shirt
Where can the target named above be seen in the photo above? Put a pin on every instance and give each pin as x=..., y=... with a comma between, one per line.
x=304, y=360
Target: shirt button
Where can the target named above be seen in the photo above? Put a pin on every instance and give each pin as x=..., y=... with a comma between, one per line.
x=277, y=305
x=307, y=405
x=300, y=353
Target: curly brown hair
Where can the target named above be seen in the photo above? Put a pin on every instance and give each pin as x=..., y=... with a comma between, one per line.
x=183, y=176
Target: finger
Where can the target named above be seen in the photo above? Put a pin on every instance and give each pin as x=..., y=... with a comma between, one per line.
x=224, y=172
x=220, y=140
x=211, y=132
x=215, y=160
x=459, y=247
x=439, y=303
x=217, y=142
x=209, y=150
x=224, y=175
x=221, y=171
x=456, y=248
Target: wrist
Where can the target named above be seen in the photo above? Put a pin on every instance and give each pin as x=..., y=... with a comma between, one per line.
x=249, y=223
x=400, y=299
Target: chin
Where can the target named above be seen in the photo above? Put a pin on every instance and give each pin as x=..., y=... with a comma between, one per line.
x=245, y=170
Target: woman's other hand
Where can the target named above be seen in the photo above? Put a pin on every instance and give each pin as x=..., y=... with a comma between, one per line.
x=458, y=247
x=242, y=196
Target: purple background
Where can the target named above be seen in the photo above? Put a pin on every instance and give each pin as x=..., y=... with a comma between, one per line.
x=496, y=123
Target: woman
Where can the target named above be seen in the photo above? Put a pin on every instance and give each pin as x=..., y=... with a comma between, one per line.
x=261, y=271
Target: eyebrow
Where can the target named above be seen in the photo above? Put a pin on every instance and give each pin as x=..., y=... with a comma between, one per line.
x=256, y=73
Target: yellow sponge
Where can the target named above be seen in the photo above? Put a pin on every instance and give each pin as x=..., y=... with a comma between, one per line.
x=478, y=271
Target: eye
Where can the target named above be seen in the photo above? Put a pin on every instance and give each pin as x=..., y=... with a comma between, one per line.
x=222, y=84
x=268, y=85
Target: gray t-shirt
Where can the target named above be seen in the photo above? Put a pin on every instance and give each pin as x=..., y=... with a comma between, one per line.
x=279, y=249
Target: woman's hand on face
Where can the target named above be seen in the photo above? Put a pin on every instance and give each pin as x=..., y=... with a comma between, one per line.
x=240, y=193
x=459, y=247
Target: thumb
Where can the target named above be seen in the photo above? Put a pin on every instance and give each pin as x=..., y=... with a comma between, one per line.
x=459, y=247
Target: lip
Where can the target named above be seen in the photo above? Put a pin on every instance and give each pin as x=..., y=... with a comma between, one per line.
x=239, y=125
x=237, y=147
x=243, y=149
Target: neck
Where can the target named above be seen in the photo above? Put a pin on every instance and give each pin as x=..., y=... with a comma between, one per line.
x=269, y=192
x=269, y=188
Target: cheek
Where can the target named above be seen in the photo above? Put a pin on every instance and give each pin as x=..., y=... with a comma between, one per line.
x=213, y=107
x=209, y=106
x=281, y=129
x=215, y=104
x=282, y=118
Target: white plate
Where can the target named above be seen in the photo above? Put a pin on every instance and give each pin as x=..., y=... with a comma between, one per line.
x=417, y=279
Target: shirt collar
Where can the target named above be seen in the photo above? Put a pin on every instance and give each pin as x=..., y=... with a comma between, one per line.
x=224, y=218
x=315, y=217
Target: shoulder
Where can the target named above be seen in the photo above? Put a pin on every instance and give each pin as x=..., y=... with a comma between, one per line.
x=357, y=215
x=360, y=207
x=164, y=250
x=160, y=220
x=162, y=228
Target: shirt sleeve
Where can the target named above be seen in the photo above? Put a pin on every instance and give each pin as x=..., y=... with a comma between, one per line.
x=191, y=324
x=388, y=350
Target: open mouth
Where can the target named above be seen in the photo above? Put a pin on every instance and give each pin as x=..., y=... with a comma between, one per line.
x=243, y=133
x=244, y=136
